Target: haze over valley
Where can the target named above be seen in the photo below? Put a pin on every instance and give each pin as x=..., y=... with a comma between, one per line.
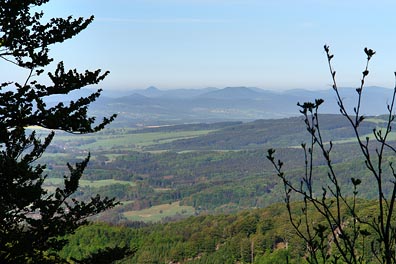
x=153, y=106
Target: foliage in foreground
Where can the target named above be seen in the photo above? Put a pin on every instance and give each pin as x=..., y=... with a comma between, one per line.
x=344, y=225
x=255, y=236
x=32, y=220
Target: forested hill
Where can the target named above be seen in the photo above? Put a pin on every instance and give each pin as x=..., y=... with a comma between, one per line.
x=164, y=107
x=272, y=133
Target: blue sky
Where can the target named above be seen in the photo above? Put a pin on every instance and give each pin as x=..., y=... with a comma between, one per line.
x=272, y=44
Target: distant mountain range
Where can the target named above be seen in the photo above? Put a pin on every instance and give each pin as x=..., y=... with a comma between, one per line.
x=153, y=106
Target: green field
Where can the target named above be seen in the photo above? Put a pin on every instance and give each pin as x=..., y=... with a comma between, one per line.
x=391, y=137
x=156, y=213
x=123, y=141
x=86, y=183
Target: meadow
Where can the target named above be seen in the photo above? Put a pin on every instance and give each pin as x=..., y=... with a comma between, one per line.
x=157, y=213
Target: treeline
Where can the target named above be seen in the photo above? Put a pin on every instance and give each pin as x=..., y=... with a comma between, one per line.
x=259, y=236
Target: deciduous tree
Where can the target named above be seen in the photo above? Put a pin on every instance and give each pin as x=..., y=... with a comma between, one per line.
x=343, y=233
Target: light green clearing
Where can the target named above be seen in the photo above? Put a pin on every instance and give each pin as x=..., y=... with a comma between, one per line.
x=125, y=140
x=87, y=183
x=156, y=213
x=378, y=121
x=391, y=137
x=126, y=202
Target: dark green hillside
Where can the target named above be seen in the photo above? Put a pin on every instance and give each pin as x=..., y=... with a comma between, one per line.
x=265, y=134
x=205, y=180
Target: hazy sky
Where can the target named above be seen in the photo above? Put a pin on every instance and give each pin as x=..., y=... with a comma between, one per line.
x=272, y=44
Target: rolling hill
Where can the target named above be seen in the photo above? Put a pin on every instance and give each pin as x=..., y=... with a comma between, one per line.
x=153, y=106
